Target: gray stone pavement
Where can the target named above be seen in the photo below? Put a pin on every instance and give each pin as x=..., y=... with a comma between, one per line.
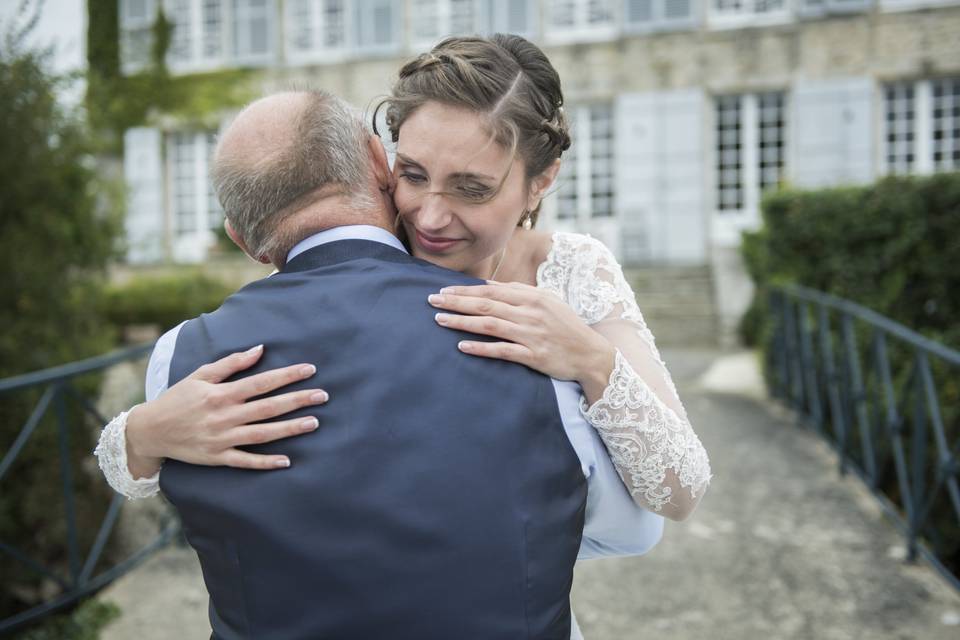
x=781, y=547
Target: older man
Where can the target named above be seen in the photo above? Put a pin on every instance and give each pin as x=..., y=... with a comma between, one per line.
x=420, y=508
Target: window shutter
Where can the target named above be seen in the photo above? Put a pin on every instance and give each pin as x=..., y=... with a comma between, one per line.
x=639, y=12
x=377, y=24
x=832, y=137
x=660, y=179
x=511, y=16
x=681, y=152
x=253, y=29
x=848, y=6
x=142, y=172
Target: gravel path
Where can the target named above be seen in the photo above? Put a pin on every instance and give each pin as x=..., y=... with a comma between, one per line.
x=780, y=548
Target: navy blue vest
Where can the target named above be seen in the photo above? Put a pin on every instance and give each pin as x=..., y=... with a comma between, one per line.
x=439, y=499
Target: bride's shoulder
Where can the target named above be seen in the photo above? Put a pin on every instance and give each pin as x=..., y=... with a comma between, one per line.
x=569, y=249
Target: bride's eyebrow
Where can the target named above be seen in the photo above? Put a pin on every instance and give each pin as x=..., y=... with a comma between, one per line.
x=410, y=161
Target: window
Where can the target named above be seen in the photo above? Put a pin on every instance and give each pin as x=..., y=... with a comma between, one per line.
x=750, y=148
x=729, y=154
x=432, y=20
x=601, y=161
x=377, y=25
x=649, y=15
x=136, y=32
x=922, y=126
x=586, y=181
x=567, y=193
x=739, y=13
x=509, y=16
x=946, y=125
x=183, y=182
x=316, y=27
x=206, y=33
x=194, y=206
x=212, y=16
x=252, y=24
x=581, y=19
x=770, y=139
x=899, y=128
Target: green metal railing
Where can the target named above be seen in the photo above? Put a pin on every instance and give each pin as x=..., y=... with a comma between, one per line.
x=58, y=387
x=871, y=387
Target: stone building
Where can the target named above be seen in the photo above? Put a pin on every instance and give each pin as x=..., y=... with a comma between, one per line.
x=684, y=111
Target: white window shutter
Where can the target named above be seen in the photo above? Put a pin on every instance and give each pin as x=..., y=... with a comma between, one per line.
x=639, y=12
x=377, y=24
x=832, y=137
x=637, y=175
x=660, y=179
x=683, y=182
x=143, y=174
x=848, y=6
x=511, y=16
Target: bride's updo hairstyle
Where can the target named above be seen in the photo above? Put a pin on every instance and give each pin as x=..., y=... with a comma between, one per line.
x=504, y=78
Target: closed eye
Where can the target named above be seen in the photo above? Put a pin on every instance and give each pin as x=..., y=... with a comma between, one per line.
x=413, y=178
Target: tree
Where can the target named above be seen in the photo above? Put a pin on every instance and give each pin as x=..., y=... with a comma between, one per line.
x=59, y=229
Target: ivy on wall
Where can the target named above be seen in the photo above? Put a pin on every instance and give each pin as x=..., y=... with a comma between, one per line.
x=117, y=102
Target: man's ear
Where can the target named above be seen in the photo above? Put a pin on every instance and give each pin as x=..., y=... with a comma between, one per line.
x=237, y=240
x=541, y=184
x=381, y=166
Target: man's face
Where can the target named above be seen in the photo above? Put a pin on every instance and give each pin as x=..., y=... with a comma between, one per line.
x=446, y=166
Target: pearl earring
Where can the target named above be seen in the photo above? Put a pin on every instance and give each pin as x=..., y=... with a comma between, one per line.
x=527, y=221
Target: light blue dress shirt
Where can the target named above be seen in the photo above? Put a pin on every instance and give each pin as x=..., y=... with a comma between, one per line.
x=614, y=524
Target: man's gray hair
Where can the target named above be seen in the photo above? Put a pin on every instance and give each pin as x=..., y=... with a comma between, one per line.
x=326, y=154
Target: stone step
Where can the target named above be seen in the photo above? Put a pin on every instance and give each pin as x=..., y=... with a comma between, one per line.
x=677, y=304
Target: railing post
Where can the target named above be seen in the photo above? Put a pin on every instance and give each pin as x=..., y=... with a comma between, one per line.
x=857, y=394
x=918, y=451
x=837, y=418
x=809, y=364
x=66, y=477
x=795, y=391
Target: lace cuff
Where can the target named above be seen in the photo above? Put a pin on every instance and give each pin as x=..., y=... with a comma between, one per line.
x=651, y=446
x=111, y=454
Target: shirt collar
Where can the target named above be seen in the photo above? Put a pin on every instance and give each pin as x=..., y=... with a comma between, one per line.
x=348, y=232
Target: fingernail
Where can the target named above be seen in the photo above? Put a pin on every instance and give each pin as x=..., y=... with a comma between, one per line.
x=434, y=298
x=446, y=290
x=310, y=424
x=463, y=346
x=319, y=396
x=441, y=318
x=283, y=463
x=308, y=370
x=253, y=350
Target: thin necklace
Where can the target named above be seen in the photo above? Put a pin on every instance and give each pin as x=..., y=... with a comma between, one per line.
x=503, y=254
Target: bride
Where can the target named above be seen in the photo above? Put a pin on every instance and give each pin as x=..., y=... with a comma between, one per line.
x=559, y=303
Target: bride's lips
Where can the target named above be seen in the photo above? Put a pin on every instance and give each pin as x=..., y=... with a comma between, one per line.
x=434, y=244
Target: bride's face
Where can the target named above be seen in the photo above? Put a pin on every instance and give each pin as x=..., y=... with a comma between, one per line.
x=446, y=167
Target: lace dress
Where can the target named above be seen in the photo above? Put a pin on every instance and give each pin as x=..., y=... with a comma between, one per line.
x=639, y=418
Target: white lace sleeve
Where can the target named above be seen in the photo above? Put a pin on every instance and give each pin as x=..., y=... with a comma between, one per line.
x=111, y=454
x=639, y=417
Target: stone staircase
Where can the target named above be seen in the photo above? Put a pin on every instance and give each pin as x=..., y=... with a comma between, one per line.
x=677, y=303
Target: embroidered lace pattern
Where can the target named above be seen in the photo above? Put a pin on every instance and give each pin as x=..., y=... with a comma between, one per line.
x=111, y=454
x=653, y=446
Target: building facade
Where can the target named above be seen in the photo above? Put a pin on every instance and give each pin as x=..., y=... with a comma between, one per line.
x=683, y=111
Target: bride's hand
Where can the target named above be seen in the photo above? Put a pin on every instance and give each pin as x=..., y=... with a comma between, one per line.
x=543, y=332
x=202, y=420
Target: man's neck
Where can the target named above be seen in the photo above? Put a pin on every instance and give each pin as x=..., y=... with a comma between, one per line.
x=330, y=213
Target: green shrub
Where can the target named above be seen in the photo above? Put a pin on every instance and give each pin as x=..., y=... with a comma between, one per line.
x=59, y=225
x=83, y=623
x=891, y=247
x=163, y=300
